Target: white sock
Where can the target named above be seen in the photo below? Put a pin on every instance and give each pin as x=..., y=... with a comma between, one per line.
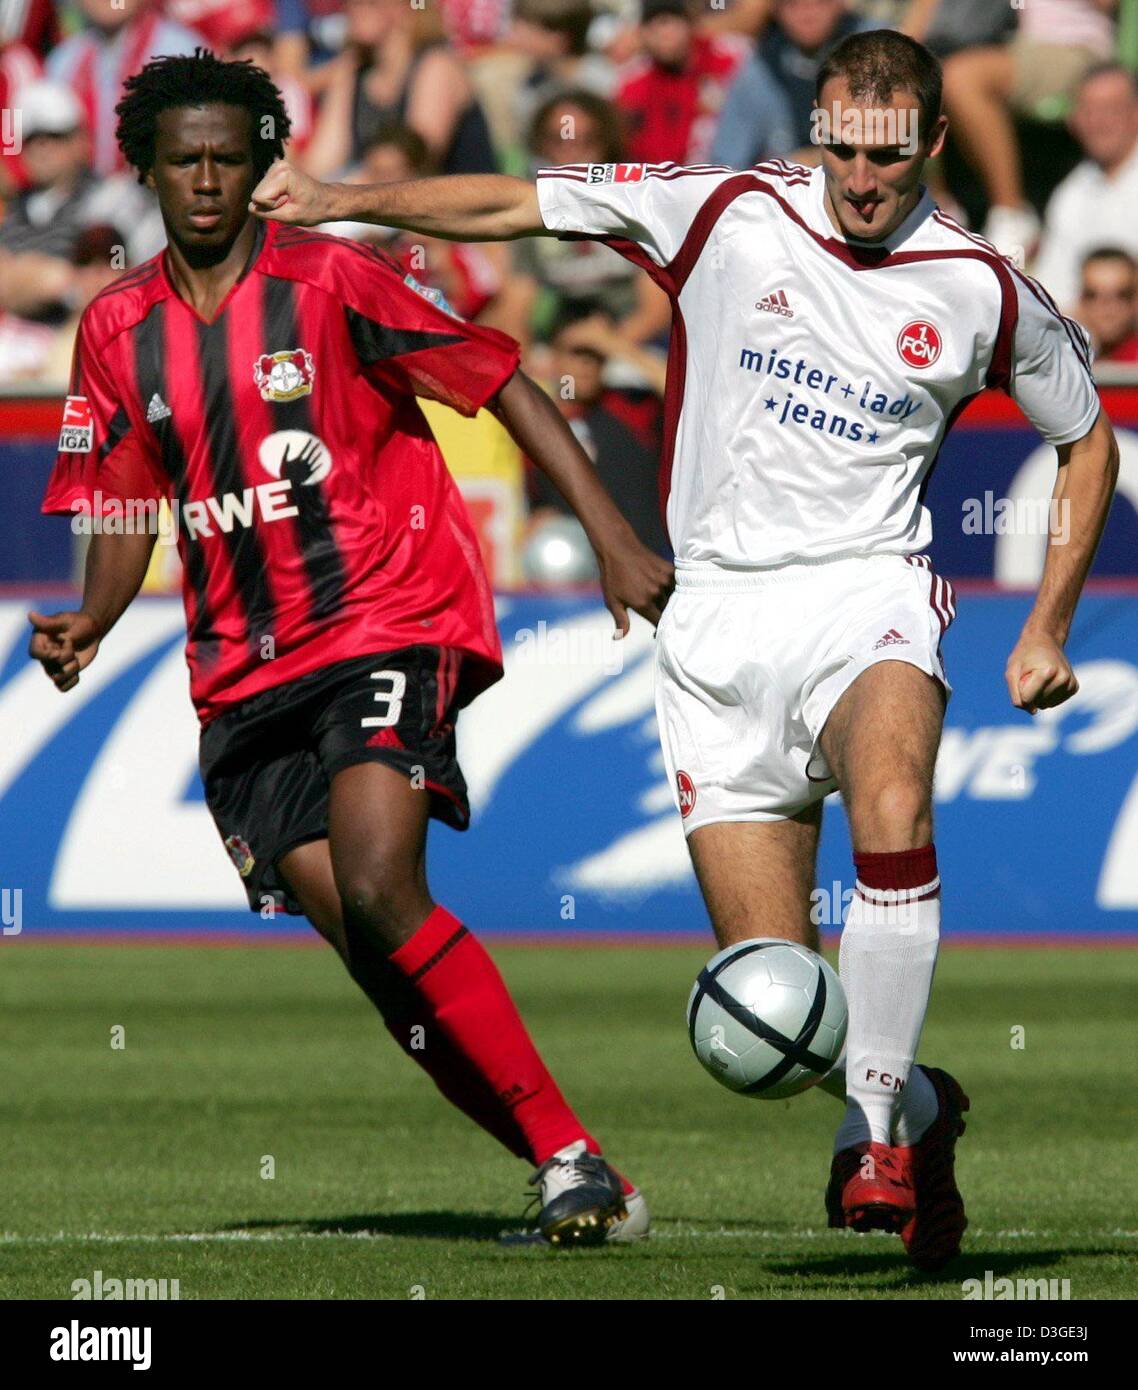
x=917, y=1105
x=886, y=962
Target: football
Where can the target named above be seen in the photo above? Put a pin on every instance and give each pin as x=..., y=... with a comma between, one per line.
x=767, y=1018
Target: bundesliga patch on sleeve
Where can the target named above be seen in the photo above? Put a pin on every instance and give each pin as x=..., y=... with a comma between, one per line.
x=77, y=434
x=616, y=173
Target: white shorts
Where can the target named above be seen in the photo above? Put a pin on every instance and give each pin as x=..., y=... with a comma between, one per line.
x=749, y=665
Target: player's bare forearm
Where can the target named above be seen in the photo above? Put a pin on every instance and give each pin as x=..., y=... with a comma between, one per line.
x=65, y=643
x=461, y=207
x=116, y=566
x=1084, y=487
x=1039, y=674
x=631, y=575
x=536, y=426
x=466, y=207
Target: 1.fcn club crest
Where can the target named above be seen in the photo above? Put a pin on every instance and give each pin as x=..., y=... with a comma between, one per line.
x=282, y=376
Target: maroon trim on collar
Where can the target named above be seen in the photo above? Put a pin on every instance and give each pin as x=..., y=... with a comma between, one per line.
x=860, y=258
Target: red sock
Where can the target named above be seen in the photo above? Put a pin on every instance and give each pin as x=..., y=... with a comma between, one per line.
x=473, y=1010
x=404, y=1012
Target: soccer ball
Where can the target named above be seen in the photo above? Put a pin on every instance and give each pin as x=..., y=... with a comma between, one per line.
x=767, y=1018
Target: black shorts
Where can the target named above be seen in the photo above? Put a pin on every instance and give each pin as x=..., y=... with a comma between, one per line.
x=267, y=763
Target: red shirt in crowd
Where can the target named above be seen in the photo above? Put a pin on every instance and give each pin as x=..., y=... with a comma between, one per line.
x=1125, y=351
x=671, y=116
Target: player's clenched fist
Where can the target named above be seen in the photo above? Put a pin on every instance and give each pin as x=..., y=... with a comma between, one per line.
x=1039, y=675
x=287, y=195
x=63, y=643
x=636, y=578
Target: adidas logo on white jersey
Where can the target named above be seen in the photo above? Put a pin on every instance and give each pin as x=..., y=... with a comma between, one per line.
x=776, y=303
x=891, y=639
x=157, y=409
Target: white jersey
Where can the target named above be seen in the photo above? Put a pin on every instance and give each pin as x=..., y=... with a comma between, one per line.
x=811, y=379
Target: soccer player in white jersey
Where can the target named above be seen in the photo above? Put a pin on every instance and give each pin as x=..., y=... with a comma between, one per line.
x=828, y=326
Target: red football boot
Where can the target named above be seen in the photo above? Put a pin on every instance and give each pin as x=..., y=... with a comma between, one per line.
x=932, y=1237
x=870, y=1189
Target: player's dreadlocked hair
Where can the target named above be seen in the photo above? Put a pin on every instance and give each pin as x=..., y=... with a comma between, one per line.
x=877, y=63
x=179, y=80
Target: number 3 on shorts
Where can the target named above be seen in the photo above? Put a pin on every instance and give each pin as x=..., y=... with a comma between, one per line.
x=392, y=698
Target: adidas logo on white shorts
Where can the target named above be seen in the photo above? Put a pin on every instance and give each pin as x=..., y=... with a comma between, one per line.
x=891, y=639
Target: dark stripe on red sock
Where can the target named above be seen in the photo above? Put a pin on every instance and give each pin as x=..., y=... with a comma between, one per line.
x=446, y=947
x=464, y=996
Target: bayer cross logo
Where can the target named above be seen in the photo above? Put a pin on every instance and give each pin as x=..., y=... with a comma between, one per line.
x=919, y=343
x=686, y=789
x=283, y=376
x=241, y=855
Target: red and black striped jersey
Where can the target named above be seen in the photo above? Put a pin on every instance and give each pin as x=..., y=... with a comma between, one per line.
x=316, y=519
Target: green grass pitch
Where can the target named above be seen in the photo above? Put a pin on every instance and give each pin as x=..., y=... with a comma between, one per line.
x=146, y=1161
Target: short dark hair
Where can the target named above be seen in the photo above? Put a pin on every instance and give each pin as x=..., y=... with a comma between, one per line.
x=573, y=311
x=407, y=141
x=653, y=9
x=1109, y=253
x=569, y=18
x=603, y=112
x=878, y=63
x=202, y=79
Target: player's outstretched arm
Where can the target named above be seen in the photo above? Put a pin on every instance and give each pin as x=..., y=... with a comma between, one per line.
x=463, y=207
x=1038, y=672
x=65, y=643
x=631, y=575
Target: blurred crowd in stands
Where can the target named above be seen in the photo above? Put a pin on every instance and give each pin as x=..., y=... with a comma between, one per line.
x=1043, y=155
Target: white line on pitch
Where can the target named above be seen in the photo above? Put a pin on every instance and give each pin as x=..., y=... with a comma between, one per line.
x=10, y=1238
x=127, y=1238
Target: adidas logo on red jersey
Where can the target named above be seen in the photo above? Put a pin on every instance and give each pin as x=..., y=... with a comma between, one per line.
x=776, y=303
x=157, y=410
x=891, y=639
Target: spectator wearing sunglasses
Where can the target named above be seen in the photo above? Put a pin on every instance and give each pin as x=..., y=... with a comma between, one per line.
x=1108, y=304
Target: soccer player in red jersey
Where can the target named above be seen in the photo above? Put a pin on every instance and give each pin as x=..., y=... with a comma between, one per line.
x=263, y=379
